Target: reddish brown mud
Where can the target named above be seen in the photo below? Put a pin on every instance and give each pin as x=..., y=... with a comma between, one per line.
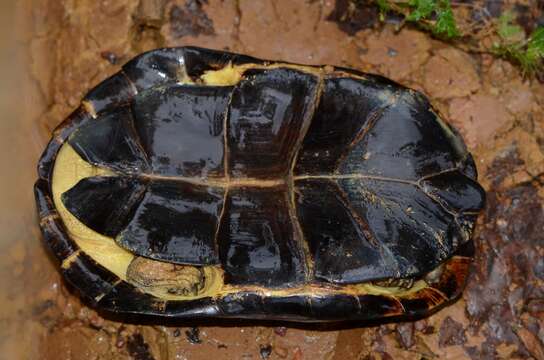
x=65, y=47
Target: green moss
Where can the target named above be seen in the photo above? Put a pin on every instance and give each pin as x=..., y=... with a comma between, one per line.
x=513, y=45
x=436, y=17
x=507, y=30
x=445, y=25
x=535, y=47
x=421, y=9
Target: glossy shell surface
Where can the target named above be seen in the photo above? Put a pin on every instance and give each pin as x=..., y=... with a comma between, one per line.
x=295, y=191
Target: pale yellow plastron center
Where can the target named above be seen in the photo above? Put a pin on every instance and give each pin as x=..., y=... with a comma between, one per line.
x=230, y=74
x=69, y=169
x=227, y=76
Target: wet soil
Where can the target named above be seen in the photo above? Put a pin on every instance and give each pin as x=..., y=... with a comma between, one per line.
x=70, y=46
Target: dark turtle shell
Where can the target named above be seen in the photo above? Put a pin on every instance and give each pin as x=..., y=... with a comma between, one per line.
x=200, y=183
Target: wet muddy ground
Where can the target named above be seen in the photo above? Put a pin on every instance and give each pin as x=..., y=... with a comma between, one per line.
x=69, y=46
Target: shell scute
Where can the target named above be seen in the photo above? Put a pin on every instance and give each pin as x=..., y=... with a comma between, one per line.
x=175, y=222
x=91, y=279
x=343, y=113
x=181, y=129
x=267, y=114
x=257, y=242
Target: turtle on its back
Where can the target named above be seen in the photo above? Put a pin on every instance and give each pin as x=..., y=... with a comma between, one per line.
x=199, y=183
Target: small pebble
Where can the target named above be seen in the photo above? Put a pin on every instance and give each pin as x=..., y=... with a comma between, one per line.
x=265, y=351
x=111, y=57
x=193, y=335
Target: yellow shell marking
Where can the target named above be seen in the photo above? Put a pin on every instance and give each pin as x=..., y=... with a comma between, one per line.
x=69, y=169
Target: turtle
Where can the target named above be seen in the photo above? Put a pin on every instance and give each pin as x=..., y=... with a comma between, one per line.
x=198, y=183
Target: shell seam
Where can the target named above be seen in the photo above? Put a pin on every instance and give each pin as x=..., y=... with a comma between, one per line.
x=291, y=205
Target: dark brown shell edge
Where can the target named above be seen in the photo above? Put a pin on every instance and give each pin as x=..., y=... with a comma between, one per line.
x=105, y=291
